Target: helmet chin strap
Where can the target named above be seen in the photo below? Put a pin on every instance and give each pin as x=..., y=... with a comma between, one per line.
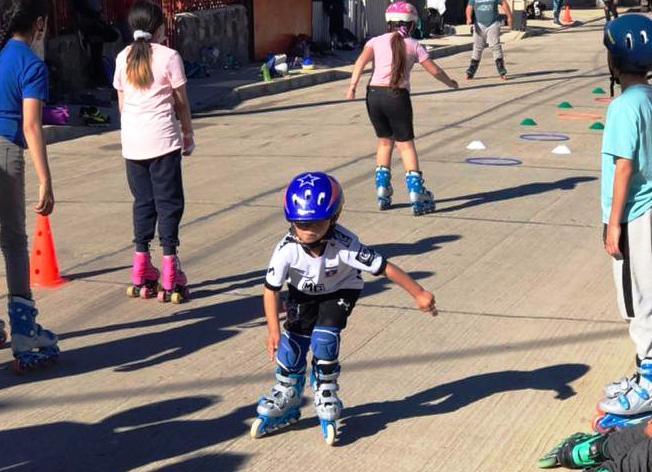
x=320, y=242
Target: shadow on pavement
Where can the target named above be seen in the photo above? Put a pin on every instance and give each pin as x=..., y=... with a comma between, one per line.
x=367, y=420
x=128, y=440
x=509, y=193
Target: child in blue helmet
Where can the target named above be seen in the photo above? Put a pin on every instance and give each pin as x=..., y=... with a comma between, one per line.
x=627, y=206
x=321, y=262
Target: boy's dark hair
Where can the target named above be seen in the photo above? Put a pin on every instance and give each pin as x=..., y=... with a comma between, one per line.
x=148, y=17
x=18, y=16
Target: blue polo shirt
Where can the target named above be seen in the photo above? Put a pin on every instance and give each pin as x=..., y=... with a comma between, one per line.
x=628, y=135
x=22, y=75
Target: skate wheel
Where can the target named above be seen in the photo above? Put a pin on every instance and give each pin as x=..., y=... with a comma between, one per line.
x=19, y=367
x=132, y=292
x=596, y=424
x=145, y=293
x=176, y=298
x=161, y=296
x=257, y=428
x=330, y=434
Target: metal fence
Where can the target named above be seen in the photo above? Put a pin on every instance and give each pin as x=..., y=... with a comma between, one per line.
x=114, y=11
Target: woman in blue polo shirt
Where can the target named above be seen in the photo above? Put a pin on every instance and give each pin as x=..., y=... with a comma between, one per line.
x=23, y=89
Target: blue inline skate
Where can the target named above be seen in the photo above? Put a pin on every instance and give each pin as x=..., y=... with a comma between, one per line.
x=384, y=190
x=323, y=379
x=421, y=199
x=282, y=407
x=33, y=347
x=628, y=402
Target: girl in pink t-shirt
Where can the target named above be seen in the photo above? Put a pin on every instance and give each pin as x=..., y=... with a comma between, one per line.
x=389, y=105
x=156, y=130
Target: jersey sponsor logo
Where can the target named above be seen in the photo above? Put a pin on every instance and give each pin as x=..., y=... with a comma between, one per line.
x=365, y=255
x=342, y=238
x=311, y=287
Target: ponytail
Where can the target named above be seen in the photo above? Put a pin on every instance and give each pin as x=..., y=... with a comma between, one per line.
x=398, y=60
x=139, y=65
x=145, y=18
x=19, y=16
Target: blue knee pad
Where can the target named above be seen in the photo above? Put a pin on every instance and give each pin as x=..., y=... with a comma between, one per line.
x=325, y=343
x=292, y=352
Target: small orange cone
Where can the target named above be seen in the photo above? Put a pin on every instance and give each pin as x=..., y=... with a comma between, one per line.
x=44, y=266
x=566, y=18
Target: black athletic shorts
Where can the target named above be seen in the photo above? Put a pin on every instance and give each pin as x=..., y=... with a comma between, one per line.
x=390, y=112
x=304, y=312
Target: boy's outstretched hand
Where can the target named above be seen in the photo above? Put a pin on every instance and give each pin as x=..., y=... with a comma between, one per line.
x=426, y=302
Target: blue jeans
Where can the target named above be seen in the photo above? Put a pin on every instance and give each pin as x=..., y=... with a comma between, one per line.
x=556, y=8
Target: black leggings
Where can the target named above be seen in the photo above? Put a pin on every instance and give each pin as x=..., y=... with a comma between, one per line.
x=157, y=187
x=390, y=112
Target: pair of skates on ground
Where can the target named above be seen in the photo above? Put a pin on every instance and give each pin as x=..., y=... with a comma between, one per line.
x=627, y=402
x=473, y=69
x=145, y=280
x=421, y=199
x=282, y=407
x=33, y=347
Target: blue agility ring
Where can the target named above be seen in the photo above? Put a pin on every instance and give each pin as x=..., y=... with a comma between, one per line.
x=544, y=137
x=493, y=161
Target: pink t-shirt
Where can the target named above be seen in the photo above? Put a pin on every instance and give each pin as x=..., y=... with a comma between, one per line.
x=149, y=127
x=382, y=46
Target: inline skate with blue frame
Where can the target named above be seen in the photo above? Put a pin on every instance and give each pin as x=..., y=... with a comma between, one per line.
x=282, y=407
x=328, y=406
x=33, y=347
x=628, y=402
x=421, y=199
x=384, y=190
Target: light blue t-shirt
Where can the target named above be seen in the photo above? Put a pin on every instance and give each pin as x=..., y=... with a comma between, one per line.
x=628, y=135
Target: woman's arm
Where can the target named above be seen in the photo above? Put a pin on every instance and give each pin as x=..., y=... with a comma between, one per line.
x=365, y=57
x=33, y=131
x=182, y=109
x=439, y=73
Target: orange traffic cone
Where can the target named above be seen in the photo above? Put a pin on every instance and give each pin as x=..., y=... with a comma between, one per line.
x=44, y=265
x=566, y=18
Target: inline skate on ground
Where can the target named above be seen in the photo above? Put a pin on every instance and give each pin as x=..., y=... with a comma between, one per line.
x=174, y=282
x=328, y=406
x=384, y=188
x=33, y=347
x=578, y=451
x=144, y=277
x=500, y=67
x=472, y=70
x=421, y=199
x=627, y=402
x=282, y=407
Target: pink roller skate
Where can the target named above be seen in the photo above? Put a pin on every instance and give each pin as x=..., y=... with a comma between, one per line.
x=144, y=277
x=174, y=288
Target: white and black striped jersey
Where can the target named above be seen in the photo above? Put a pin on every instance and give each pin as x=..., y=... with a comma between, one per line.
x=339, y=266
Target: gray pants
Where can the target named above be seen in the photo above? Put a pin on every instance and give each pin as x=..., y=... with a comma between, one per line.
x=633, y=278
x=486, y=35
x=13, y=238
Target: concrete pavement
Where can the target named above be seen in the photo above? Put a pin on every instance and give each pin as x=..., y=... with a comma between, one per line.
x=527, y=336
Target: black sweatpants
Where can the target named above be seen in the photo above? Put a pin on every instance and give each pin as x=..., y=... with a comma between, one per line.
x=629, y=450
x=157, y=187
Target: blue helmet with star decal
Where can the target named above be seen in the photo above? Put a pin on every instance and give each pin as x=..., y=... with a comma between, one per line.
x=629, y=40
x=313, y=196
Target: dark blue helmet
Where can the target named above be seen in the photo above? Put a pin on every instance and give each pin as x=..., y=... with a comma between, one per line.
x=313, y=196
x=629, y=40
